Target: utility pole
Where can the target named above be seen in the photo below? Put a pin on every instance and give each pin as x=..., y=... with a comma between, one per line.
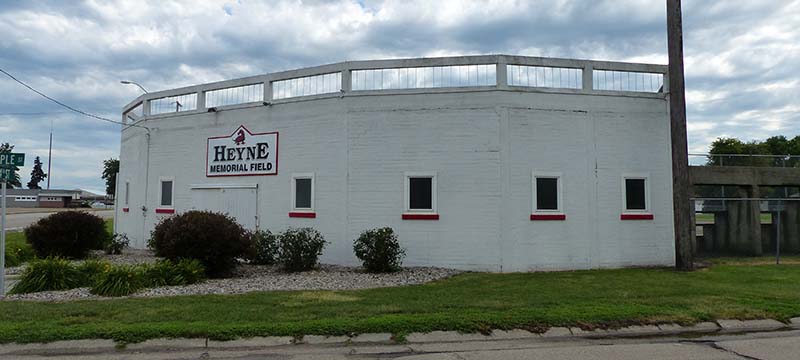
x=50, y=155
x=684, y=249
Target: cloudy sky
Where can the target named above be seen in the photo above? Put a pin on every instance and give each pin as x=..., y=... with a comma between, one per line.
x=742, y=57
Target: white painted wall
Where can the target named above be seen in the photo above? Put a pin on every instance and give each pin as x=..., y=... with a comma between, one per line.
x=482, y=146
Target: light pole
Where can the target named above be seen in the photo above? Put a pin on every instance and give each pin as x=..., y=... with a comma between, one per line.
x=126, y=82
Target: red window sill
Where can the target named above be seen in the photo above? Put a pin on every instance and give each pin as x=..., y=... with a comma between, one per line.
x=165, y=211
x=308, y=215
x=420, y=216
x=636, y=217
x=125, y=209
x=537, y=217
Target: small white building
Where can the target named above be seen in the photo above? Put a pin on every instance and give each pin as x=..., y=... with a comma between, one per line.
x=498, y=163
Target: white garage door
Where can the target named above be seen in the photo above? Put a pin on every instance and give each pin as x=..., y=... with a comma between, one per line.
x=238, y=201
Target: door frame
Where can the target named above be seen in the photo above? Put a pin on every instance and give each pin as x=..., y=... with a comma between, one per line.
x=231, y=186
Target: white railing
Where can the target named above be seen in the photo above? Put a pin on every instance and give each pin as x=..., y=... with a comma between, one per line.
x=545, y=77
x=235, y=95
x=307, y=85
x=425, y=77
x=627, y=81
x=474, y=73
x=177, y=103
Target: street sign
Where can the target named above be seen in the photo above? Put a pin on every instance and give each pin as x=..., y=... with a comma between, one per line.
x=12, y=159
x=7, y=174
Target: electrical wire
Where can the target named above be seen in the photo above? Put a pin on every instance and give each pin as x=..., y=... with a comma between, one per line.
x=97, y=117
x=33, y=113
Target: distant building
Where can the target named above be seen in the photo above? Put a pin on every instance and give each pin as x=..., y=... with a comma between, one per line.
x=33, y=198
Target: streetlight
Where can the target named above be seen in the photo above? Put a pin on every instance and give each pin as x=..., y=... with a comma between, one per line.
x=126, y=82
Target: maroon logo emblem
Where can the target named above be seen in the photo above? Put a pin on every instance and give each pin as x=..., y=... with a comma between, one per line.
x=239, y=140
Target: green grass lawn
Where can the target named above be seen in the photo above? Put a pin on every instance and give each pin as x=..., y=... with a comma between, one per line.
x=468, y=302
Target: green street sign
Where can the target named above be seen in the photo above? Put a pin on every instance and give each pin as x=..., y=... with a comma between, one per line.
x=12, y=159
x=7, y=174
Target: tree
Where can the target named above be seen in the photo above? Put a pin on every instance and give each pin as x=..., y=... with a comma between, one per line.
x=15, y=182
x=110, y=170
x=37, y=174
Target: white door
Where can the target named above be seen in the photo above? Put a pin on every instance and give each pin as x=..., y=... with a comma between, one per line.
x=240, y=201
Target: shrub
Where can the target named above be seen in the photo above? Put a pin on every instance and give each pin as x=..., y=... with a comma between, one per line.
x=119, y=281
x=379, y=250
x=300, y=249
x=266, y=248
x=116, y=244
x=90, y=271
x=215, y=239
x=68, y=234
x=46, y=275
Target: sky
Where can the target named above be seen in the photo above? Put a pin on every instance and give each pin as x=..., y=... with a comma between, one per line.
x=742, y=58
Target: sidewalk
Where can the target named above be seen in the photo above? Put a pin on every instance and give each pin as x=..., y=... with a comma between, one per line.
x=417, y=345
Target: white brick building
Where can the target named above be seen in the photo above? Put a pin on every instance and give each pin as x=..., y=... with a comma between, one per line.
x=498, y=163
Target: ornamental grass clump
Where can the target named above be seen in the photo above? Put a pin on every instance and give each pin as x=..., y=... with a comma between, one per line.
x=47, y=275
x=300, y=249
x=169, y=273
x=91, y=270
x=119, y=280
x=379, y=250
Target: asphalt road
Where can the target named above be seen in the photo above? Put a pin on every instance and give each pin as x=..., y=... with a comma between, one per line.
x=773, y=346
x=20, y=221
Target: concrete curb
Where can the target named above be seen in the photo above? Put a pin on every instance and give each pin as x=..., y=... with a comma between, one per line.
x=720, y=326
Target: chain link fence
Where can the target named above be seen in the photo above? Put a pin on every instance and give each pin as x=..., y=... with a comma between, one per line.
x=747, y=227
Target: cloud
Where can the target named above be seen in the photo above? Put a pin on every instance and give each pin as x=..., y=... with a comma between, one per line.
x=742, y=72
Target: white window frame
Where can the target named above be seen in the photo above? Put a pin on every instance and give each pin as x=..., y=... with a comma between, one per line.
x=407, y=192
x=293, y=193
x=559, y=195
x=636, y=176
x=160, y=189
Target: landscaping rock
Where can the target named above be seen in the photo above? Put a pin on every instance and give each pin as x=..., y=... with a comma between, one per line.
x=250, y=278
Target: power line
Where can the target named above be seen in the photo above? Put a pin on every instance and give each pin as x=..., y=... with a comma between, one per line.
x=98, y=117
x=33, y=113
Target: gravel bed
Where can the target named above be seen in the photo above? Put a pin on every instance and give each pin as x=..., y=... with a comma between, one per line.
x=250, y=278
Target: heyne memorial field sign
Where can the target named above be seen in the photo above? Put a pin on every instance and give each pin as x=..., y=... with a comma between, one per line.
x=242, y=153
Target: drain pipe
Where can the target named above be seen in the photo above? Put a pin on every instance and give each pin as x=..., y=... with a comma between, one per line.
x=146, y=184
